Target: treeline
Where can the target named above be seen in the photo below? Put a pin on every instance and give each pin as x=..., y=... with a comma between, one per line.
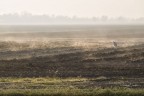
x=28, y=18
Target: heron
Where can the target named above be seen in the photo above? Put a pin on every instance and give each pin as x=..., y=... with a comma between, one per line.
x=115, y=44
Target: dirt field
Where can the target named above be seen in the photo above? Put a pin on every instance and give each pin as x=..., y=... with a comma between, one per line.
x=72, y=60
x=86, y=58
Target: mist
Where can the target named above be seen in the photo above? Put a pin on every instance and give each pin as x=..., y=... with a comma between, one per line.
x=30, y=19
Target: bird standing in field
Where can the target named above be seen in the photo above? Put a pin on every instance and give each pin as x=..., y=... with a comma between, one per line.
x=115, y=44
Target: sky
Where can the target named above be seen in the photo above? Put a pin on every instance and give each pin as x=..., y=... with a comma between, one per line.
x=80, y=8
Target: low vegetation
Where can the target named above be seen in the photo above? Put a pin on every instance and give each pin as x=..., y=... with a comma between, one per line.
x=61, y=87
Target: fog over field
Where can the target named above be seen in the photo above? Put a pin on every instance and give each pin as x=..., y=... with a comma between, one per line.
x=71, y=31
x=71, y=47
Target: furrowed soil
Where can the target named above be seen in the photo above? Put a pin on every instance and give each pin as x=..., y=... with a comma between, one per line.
x=95, y=59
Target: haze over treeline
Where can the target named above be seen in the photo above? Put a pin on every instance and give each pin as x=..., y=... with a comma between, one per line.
x=30, y=19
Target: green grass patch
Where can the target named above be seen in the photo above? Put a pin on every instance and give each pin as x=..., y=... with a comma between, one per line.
x=73, y=92
x=61, y=87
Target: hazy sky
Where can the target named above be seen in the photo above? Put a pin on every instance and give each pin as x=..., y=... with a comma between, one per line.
x=81, y=8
